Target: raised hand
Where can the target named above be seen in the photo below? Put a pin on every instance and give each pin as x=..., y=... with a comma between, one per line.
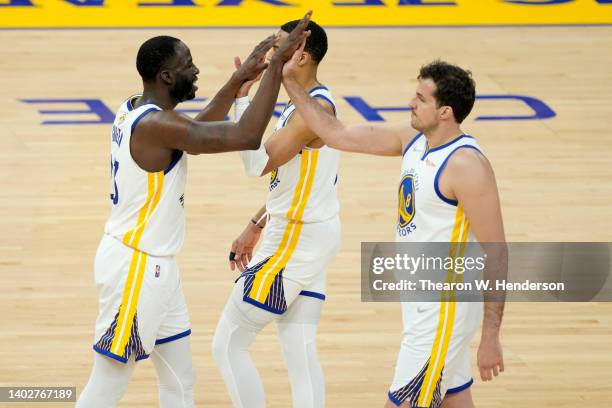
x=294, y=40
x=290, y=67
x=246, y=85
x=254, y=65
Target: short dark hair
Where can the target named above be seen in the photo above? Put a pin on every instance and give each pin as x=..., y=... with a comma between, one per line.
x=455, y=87
x=153, y=55
x=316, y=44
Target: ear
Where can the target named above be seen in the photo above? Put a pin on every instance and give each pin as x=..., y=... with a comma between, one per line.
x=305, y=59
x=447, y=113
x=166, y=77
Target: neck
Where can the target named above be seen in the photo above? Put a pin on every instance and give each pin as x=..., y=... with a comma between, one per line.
x=442, y=134
x=153, y=95
x=308, y=79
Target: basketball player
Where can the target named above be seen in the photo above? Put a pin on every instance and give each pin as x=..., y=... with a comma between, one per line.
x=285, y=280
x=448, y=194
x=142, y=309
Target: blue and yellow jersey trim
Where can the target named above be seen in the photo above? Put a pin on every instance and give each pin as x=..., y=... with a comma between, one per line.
x=275, y=301
x=133, y=345
x=443, y=165
x=411, y=391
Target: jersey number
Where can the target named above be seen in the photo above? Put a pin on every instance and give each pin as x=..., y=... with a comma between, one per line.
x=114, y=168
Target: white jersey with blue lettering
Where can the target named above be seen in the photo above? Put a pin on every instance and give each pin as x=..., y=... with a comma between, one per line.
x=424, y=213
x=312, y=174
x=147, y=208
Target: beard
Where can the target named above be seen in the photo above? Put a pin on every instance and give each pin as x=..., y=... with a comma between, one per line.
x=183, y=89
x=415, y=124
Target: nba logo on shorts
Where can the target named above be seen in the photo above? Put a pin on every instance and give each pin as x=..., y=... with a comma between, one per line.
x=157, y=270
x=406, y=201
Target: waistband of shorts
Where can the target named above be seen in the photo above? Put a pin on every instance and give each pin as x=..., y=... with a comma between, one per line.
x=277, y=217
x=118, y=241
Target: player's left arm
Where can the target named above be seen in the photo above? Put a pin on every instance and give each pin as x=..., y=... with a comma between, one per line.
x=472, y=182
x=217, y=108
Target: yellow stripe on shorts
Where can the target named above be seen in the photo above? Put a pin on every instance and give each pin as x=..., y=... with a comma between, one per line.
x=447, y=313
x=133, y=283
x=129, y=301
x=265, y=277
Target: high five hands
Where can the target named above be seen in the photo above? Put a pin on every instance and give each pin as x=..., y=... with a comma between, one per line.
x=251, y=70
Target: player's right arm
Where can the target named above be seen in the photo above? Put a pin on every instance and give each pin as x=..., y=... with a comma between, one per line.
x=382, y=140
x=243, y=246
x=179, y=132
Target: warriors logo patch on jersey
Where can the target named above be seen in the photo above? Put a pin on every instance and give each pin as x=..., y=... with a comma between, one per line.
x=274, y=179
x=406, y=201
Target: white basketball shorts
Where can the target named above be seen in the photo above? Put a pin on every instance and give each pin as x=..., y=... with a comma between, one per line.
x=299, y=252
x=141, y=301
x=434, y=357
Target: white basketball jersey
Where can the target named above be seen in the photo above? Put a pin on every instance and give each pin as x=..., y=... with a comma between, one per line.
x=147, y=208
x=424, y=213
x=304, y=188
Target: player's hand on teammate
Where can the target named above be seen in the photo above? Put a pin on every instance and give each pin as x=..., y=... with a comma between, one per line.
x=243, y=246
x=291, y=66
x=293, y=41
x=490, y=358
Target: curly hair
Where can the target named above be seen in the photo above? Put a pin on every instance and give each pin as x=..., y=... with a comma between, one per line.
x=455, y=87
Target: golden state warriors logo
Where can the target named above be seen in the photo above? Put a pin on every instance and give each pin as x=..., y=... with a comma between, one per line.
x=406, y=201
x=274, y=179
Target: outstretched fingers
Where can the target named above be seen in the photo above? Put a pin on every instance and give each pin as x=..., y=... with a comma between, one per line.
x=297, y=34
x=262, y=48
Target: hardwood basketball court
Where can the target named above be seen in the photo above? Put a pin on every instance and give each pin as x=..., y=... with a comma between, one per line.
x=554, y=176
